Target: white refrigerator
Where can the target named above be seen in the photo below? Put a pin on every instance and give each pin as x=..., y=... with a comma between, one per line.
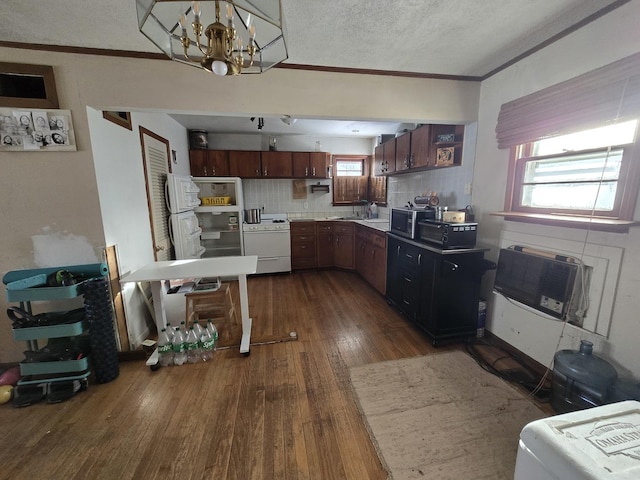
x=206, y=216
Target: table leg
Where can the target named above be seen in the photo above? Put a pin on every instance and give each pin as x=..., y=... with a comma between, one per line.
x=161, y=317
x=244, y=313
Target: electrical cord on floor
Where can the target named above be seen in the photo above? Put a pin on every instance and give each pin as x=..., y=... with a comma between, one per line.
x=534, y=383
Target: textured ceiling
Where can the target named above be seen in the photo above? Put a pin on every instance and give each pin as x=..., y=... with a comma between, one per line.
x=463, y=38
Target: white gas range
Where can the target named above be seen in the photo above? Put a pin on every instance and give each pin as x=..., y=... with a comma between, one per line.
x=270, y=241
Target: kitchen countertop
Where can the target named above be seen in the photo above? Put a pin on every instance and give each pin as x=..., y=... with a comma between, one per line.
x=380, y=224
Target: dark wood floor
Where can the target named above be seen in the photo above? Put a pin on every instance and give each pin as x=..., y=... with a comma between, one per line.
x=284, y=411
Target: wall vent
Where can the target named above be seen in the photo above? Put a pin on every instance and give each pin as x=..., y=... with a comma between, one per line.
x=542, y=281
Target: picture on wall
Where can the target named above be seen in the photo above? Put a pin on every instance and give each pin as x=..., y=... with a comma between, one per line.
x=22, y=129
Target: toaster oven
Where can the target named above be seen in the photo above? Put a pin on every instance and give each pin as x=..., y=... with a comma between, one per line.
x=448, y=235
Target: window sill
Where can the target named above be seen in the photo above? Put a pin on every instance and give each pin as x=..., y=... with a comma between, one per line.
x=599, y=223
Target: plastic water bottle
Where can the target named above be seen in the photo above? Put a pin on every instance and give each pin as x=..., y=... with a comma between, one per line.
x=198, y=328
x=165, y=349
x=206, y=345
x=179, y=348
x=193, y=346
x=169, y=330
x=214, y=333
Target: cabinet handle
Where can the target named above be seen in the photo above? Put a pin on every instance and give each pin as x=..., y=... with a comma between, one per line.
x=313, y=172
x=257, y=172
x=419, y=259
x=213, y=172
x=306, y=171
x=266, y=172
x=454, y=266
x=398, y=251
x=408, y=255
x=408, y=280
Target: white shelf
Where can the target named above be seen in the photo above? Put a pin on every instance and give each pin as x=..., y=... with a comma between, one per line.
x=217, y=209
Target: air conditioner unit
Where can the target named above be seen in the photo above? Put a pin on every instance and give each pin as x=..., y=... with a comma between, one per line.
x=543, y=283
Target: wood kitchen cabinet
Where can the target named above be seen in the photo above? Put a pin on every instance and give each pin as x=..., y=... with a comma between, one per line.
x=303, y=245
x=245, y=164
x=427, y=147
x=439, y=140
x=371, y=256
x=335, y=245
x=412, y=149
x=437, y=289
x=209, y=163
x=343, y=235
x=276, y=164
x=385, y=158
x=324, y=232
x=311, y=165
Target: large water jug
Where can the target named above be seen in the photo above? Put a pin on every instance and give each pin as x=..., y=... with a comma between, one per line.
x=580, y=379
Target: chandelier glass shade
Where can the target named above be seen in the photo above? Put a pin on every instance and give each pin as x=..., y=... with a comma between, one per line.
x=222, y=37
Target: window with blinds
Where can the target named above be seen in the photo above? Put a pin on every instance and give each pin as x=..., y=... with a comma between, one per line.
x=575, y=153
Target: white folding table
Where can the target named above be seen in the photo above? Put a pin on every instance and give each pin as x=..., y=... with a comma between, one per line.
x=226, y=267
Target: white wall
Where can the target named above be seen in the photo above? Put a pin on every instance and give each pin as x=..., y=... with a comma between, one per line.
x=119, y=171
x=608, y=39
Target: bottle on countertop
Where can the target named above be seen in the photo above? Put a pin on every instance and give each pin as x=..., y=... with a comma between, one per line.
x=373, y=210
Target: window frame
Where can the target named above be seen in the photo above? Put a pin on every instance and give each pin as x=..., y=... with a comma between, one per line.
x=619, y=220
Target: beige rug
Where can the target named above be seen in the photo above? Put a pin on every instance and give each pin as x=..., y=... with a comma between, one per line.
x=442, y=417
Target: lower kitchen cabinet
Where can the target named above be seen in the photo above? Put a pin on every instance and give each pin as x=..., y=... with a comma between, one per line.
x=437, y=289
x=303, y=245
x=324, y=231
x=370, y=256
x=343, y=245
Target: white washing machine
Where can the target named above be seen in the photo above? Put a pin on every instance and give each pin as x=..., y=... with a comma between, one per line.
x=600, y=443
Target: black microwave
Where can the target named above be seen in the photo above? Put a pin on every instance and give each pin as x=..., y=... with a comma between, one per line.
x=448, y=235
x=404, y=221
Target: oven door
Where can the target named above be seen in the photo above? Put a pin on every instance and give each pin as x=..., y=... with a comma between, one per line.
x=273, y=249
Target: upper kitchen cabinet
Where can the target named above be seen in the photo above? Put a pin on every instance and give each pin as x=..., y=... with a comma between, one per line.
x=412, y=149
x=276, y=164
x=311, y=165
x=245, y=164
x=385, y=158
x=209, y=163
x=426, y=147
x=446, y=145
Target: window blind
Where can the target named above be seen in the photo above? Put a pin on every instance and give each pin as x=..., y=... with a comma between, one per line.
x=607, y=94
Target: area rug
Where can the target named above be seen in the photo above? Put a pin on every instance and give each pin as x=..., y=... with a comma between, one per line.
x=442, y=417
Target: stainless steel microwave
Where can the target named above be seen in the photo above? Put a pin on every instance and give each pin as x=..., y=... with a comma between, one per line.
x=404, y=221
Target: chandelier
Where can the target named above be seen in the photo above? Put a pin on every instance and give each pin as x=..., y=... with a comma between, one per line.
x=249, y=39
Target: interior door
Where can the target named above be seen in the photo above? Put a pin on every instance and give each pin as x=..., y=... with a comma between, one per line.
x=156, y=160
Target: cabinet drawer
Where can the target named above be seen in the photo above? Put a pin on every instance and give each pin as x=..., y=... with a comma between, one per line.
x=304, y=249
x=297, y=263
x=300, y=228
x=303, y=238
x=343, y=228
x=324, y=228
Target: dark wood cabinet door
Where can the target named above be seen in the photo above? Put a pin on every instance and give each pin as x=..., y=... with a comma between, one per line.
x=420, y=147
x=325, y=250
x=197, y=162
x=300, y=162
x=378, y=160
x=403, y=152
x=319, y=165
x=343, y=250
x=209, y=163
x=389, y=156
x=244, y=164
x=276, y=165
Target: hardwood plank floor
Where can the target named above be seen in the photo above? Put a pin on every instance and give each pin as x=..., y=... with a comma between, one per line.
x=286, y=411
